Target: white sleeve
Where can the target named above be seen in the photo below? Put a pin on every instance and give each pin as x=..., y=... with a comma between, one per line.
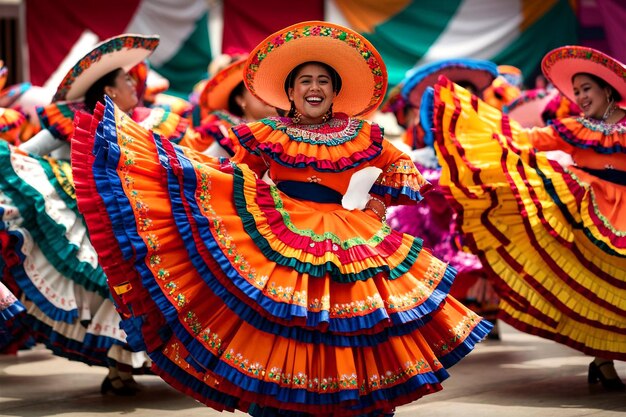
x=357, y=195
x=42, y=143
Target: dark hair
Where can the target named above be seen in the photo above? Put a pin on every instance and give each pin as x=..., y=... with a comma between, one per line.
x=466, y=84
x=233, y=106
x=602, y=83
x=334, y=76
x=95, y=93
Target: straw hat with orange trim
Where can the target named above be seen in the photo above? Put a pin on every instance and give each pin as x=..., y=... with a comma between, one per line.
x=561, y=64
x=124, y=51
x=358, y=63
x=214, y=95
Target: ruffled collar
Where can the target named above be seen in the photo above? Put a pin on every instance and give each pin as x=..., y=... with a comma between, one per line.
x=339, y=144
x=581, y=132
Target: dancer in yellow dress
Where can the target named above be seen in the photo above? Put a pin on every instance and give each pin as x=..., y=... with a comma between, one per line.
x=553, y=237
x=288, y=299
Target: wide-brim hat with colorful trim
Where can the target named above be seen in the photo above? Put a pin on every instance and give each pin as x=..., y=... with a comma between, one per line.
x=124, y=51
x=216, y=91
x=480, y=73
x=561, y=64
x=511, y=74
x=527, y=109
x=360, y=66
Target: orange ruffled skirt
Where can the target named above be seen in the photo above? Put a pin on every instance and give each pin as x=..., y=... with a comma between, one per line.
x=558, y=263
x=247, y=299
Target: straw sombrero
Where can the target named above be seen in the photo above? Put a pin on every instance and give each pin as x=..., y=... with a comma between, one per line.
x=561, y=64
x=214, y=95
x=479, y=72
x=360, y=66
x=124, y=51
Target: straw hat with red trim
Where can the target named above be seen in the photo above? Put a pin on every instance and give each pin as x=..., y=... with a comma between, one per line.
x=124, y=51
x=214, y=95
x=358, y=63
x=561, y=64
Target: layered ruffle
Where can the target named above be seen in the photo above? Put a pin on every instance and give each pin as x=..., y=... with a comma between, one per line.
x=38, y=195
x=72, y=322
x=165, y=122
x=584, y=133
x=433, y=220
x=243, y=295
x=48, y=254
x=11, y=124
x=338, y=145
x=58, y=118
x=214, y=128
x=12, y=313
x=558, y=264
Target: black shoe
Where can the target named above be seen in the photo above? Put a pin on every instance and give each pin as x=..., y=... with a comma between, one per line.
x=123, y=391
x=595, y=375
x=131, y=384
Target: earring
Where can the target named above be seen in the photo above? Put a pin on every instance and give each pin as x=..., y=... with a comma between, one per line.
x=609, y=109
x=113, y=95
x=328, y=115
x=294, y=114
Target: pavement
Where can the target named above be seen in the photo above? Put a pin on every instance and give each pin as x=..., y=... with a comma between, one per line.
x=519, y=376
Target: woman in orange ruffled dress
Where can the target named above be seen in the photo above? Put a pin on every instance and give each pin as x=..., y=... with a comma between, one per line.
x=552, y=236
x=289, y=299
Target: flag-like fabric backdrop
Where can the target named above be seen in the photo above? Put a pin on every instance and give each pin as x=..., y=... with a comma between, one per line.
x=406, y=32
x=513, y=32
x=55, y=27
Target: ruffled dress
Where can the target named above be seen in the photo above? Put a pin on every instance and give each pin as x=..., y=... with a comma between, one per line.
x=553, y=238
x=214, y=129
x=433, y=220
x=58, y=118
x=248, y=297
x=47, y=254
x=47, y=251
x=12, y=328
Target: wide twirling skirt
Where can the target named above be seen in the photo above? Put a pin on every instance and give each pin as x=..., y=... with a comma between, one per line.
x=247, y=299
x=433, y=220
x=47, y=254
x=557, y=262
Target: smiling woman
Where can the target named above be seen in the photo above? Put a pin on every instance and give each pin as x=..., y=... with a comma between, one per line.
x=551, y=237
x=597, y=98
x=279, y=300
x=311, y=88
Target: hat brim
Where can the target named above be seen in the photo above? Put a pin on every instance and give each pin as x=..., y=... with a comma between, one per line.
x=358, y=63
x=480, y=73
x=216, y=91
x=527, y=109
x=561, y=64
x=123, y=51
